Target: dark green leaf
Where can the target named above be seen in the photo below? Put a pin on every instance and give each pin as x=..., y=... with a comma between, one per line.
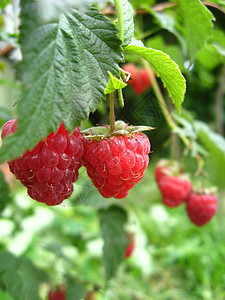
x=164, y=67
x=64, y=73
x=112, y=222
x=20, y=277
x=197, y=25
x=4, y=192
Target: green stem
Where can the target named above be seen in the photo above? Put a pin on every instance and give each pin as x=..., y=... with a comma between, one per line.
x=120, y=96
x=172, y=125
x=119, y=11
x=112, y=113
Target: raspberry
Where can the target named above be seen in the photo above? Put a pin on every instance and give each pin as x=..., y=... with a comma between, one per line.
x=140, y=79
x=49, y=170
x=129, y=250
x=57, y=294
x=174, y=190
x=201, y=208
x=117, y=163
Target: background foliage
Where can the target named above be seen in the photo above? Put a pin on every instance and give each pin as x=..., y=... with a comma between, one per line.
x=82, y=243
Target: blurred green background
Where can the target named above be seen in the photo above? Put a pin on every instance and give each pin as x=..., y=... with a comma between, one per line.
x=173, y=259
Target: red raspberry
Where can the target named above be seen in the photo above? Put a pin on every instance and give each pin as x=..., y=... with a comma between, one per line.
x=174, y=190
x=57, y=294
x=140, y=79
x=129, y=250
x=201, y=208
x=49, y=170
x=116, y=164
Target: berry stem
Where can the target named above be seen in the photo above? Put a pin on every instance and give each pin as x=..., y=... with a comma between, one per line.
x=120, y=96
x=119, y=11
x=172, y=125
x=112, y=113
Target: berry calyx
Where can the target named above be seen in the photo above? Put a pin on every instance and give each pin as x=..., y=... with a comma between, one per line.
x=201, y=207
x=49, y=170
x=116, y=162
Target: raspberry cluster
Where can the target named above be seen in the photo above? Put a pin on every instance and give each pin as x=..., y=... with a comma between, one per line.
x=175, y=190
x=116, y=164
x=49, y=170
x=140, y=79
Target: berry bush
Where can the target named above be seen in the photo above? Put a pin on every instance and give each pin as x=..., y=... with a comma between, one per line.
x=112, y=120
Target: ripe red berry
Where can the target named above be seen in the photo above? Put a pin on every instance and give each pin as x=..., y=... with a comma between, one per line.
x=140, y=79
x=129, y=250
x=49, y=170
x=116, y=164
x=130, y=68
x=201, y=208
x=57, y=294
x=144, y=77
x=174, y=190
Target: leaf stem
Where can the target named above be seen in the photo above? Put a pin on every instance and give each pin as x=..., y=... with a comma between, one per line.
x=119, y=10
x=172, y=125
x=112, y=113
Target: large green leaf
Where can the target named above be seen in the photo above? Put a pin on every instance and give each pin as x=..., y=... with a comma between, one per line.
x=164, y=67
x=215, y=162
x=64, y=72
x=20, y=277
x=112, y=222
x=4, y=192
x=197, y=25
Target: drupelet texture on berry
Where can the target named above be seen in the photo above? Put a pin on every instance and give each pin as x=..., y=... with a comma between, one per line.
x=117, y=163
x=49, y=170
x=201, y=207
x=174, y=186
x=174, y=190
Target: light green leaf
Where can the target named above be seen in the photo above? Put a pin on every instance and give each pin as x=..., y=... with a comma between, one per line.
x=128, y=22
x=4, y=192
x=112, y=222
x=197, y=25
x=64, y=73
x=164, y=67
x=114, y=84
x=215, y=161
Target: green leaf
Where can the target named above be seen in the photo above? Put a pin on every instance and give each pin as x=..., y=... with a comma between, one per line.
x=4, y=192
x=75, y=290
x=215, y=144
x=164, y=67
x=167, y=22
x=64, y=73
x=128, y=22
x=21, y=278
x=114, y=84
x=197, y=25
x=112, y=222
